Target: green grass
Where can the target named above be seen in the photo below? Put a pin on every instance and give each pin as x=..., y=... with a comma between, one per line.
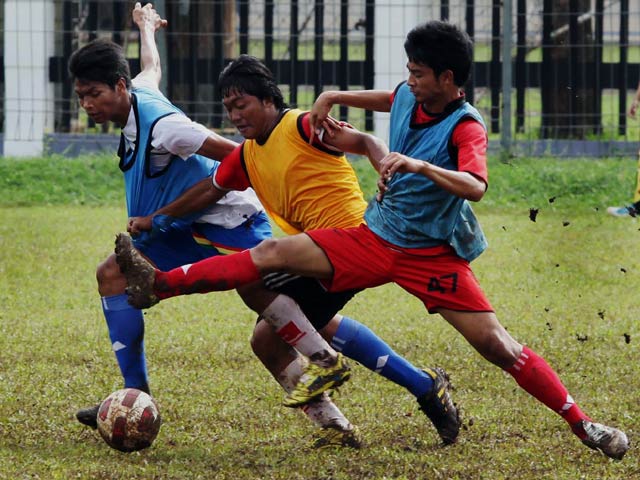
x=552, y=286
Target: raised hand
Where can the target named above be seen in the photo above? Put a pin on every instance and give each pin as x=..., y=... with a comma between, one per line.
x=147, y=16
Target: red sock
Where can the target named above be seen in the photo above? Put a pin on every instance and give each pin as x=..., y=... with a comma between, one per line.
x=536, y=377
x=222, y=272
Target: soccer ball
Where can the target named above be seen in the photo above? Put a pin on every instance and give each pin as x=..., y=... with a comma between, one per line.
x=129, y=420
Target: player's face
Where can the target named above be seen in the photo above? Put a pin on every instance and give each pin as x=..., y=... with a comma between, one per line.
x=101, y=102
x=251, y=116
x=425, y=85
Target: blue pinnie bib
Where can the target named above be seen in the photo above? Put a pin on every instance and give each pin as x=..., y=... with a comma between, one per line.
x=147, y=191
x=415, y=212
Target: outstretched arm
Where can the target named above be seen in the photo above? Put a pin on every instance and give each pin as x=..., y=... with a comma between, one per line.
x=198, y=197
x=148, y=22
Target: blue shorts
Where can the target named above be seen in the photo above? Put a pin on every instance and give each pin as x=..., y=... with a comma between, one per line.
x=184, y=244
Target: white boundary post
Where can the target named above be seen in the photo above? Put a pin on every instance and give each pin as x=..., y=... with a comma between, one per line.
x=29, y=104
x=393, y=20
x=507, y=76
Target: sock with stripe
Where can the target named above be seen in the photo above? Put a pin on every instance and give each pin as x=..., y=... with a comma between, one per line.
x=292, y=325
x=126, y=330
x=537, y=378
x=222, y=272
x=358, y=342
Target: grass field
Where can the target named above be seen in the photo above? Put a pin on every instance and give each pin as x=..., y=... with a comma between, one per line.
x=566, y=285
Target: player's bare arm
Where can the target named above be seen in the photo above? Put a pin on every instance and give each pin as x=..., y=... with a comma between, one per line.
x=375, y=100
x=198, y=197
x=216, y=146
x=350, y=140
x=462, y=184
x=148, y=22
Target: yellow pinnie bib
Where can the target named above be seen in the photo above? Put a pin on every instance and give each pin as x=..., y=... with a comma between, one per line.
x=301, y=187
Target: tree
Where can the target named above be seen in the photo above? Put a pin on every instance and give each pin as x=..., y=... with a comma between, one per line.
x=570, y=97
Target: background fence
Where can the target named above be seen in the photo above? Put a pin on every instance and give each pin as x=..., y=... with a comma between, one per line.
x=572, y=71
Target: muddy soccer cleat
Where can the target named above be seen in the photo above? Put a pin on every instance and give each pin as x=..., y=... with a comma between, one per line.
x=439, y=407
x=140, y=274
x=610, y=441
x=317, y=379
x=338, y=437
x=88, y=416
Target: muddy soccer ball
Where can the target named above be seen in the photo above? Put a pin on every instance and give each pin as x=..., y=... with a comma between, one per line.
x=129, y=420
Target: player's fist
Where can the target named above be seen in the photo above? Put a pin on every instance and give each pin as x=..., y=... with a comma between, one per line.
x=147, y=15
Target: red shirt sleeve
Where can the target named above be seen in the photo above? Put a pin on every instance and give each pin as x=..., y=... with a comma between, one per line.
x=470, y=140
x=231, y=174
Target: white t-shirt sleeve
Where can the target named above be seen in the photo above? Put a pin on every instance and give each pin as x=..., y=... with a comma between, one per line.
x=179, y=135
x=139, y=82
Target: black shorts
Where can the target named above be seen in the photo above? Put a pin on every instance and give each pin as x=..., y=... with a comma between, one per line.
x=317, y=304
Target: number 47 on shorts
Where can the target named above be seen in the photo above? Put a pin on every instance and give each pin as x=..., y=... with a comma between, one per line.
x=443, y=284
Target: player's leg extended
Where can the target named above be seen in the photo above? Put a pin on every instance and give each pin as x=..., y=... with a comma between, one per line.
x=287, y=366
x=361, y=344
x=430, y=386
x=146, y=285
x=483, y=331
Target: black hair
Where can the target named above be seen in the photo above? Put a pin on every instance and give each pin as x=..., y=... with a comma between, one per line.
x=441, y=46
x=247, y=74
x=100, y=61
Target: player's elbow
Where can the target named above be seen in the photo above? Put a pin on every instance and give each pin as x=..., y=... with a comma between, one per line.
x=476, y=189
x=475, y=194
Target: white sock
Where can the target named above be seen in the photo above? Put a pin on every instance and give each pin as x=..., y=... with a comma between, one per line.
x=323, y=412
x=291, y=324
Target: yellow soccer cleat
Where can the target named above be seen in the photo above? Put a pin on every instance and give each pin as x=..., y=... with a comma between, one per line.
x=338, y=437
x=316, y=379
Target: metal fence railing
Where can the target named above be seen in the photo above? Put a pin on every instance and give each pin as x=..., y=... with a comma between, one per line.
x=573, y=63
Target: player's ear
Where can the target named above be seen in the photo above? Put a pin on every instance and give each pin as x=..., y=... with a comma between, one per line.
x=121, y=85
x=268, y=102
x=446, y=76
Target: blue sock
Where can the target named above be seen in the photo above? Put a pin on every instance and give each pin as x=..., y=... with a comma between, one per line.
x=126, y=330
x=359, y=343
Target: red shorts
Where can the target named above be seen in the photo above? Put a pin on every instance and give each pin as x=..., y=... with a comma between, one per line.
x=437, y=276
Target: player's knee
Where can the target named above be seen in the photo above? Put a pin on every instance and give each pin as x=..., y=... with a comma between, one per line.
x=268, y=255
x=109, y=277
x=499, y=348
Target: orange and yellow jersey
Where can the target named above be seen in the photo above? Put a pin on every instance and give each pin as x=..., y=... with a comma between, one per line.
x=301, y=186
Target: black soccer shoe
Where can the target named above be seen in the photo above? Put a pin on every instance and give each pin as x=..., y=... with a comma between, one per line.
x=439, y=407
x=89, y=416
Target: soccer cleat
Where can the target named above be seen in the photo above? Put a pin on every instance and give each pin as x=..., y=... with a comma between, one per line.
x=140, y=273
x=439, y=407
x=317, y=379
x=89, y=416
x=627, y=211
x=610, y=441
x=338, y=437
